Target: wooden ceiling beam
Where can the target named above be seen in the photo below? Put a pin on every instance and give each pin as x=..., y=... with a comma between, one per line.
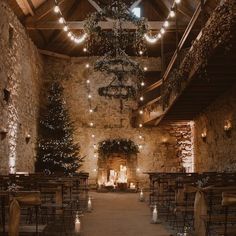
x=51, y=25
x=156, y=7
x=41, y=11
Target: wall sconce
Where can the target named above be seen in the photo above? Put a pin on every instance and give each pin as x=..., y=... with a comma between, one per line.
x=228, y=127
x=204, y=135
x=3, y=133
x=27, y=138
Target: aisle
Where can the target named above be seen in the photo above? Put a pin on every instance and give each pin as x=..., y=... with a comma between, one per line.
x=119, y=214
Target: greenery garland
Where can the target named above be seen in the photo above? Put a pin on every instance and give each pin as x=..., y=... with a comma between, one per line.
x=122, y=146
x=119, y=13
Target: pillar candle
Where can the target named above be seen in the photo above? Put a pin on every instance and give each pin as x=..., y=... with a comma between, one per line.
x=89, y=204
x=77, y=225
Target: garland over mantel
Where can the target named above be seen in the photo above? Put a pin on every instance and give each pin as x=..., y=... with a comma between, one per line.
x=121, y=146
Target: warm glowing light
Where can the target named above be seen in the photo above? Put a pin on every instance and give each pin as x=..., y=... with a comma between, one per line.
x=140, y=125
x=172, y=13
x=91, y=110
x=81, y=39
x=141, y=98
x=93, y=136
x=140, y=112
x=69, y=34
x=140, y=137
x=95, y=156
x=87, y=65
x=89, y=96
x=159, y=35
x=177, y=1
x=140, y=52
x=56, y=9
x=145, y=68
x=166, y=24
x=150, y=39
x=142, y=83
x=88, y=81
x=61, y=20
x=91, y=124
x=85, y=49
x=140, y=146
x=65, y=28
x=162, y=30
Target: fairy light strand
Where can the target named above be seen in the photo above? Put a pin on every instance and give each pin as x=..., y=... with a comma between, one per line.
x=72, y=36
x=153, y=39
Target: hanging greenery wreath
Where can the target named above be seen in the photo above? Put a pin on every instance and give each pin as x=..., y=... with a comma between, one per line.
x=118, y=14
x=122, y=146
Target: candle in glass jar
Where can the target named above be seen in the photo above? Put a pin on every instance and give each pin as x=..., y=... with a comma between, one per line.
x=77, y=225
x=89, y=204
x=154, y=215
x=141, y=196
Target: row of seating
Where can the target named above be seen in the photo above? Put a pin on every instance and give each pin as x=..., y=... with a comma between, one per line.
x=32, y=203
x=202, y=203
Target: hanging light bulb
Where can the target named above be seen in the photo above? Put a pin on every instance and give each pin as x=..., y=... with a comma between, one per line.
x=177, y=1
x=140, y=125
x=172, y=13
x=91, y=110
x=140, y=52
x=140, y=112
x=140, y=137
x=69, y=34
x=89, y=96
x=65, y=28
x=88, y=81
x=87, y=65
x=61, y=20
x=93, y=136
x=150, y=39
x=159, y=35
x=162, y=30
x=72, y=37
x=77, y=224
x=140, y=146
x=91, y=124
x=142, y=83
x=85, y=49
x=166, y=24
x=56, y=9
x=141, y=98
x=145, y=68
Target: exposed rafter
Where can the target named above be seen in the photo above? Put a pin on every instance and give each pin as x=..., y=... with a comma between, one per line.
x=154, y=25
x=42, y=11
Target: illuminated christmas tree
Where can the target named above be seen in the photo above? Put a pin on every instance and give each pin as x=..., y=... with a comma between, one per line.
x=56, y=151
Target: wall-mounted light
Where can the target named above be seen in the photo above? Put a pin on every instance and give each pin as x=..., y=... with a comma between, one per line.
x=204, y=135
x=27, y=138
x=228, y=127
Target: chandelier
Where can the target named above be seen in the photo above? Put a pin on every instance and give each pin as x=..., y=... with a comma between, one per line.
x=126, y=74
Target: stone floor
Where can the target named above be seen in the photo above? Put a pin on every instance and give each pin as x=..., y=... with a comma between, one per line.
x=119, y=214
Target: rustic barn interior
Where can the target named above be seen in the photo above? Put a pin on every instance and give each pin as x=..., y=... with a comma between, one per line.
x=118, y=117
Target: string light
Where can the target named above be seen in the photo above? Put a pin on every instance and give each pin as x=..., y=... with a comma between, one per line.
x=172, y=13
x=142, y=83
x=91, y=124
x=140, y=52
x=140, y=125
x=76, y=39
x=155, y=38
x=89, y=96
x=88, y=81
x=91, y=110
x=65, y=28
x=61, y=20
x=93, y=136
x=141, y=98
x=85, y=49
x=140, y=112
x=56, y=9
x=145, y=68
x=87, y=65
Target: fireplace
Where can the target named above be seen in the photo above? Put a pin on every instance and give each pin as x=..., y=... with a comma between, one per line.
x=117, y=171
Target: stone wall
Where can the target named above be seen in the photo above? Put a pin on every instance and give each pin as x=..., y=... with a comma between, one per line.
x=20, y=78
x=216, y=152
x=183, y=133
x=158, y=150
